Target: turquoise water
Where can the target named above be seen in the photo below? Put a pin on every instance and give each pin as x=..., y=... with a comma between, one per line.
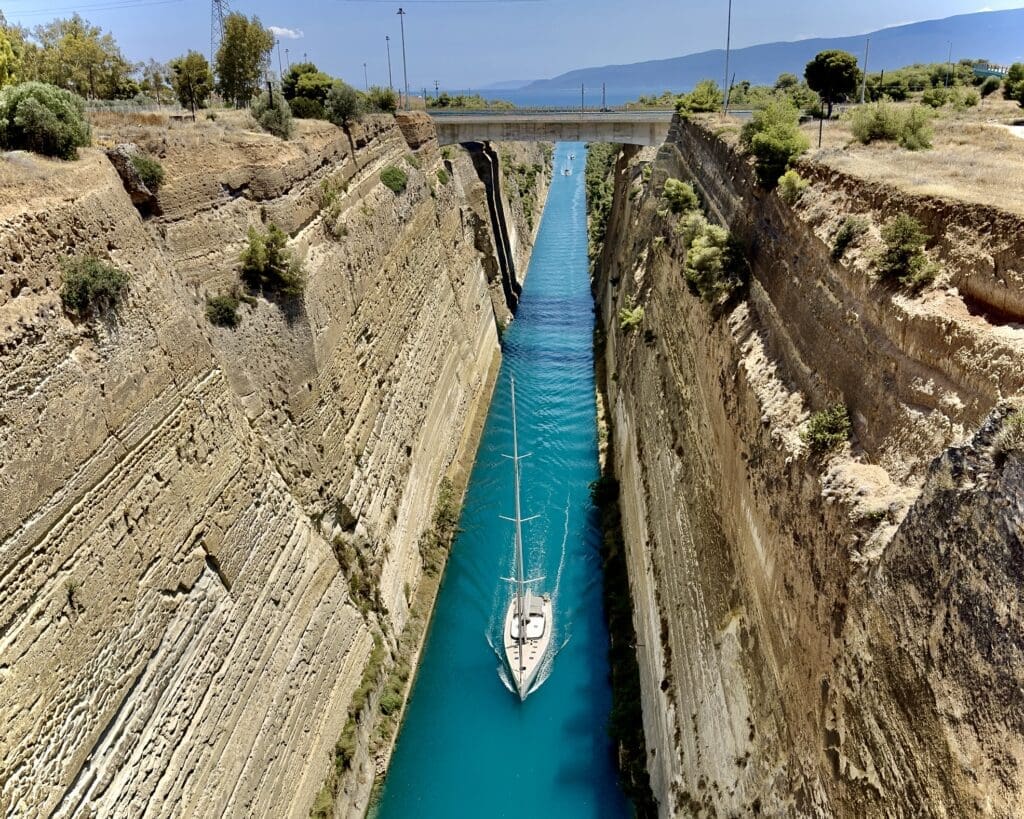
x=468, y=746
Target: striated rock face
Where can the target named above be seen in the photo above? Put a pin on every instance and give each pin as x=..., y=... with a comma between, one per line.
x=818, y=637
x=177, y=632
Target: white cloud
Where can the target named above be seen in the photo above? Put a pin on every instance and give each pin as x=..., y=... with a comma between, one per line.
x=283, y=33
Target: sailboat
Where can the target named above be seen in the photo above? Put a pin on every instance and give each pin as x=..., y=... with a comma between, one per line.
x=529, y=620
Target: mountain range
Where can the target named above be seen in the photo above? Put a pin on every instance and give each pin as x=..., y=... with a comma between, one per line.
x=997, y=36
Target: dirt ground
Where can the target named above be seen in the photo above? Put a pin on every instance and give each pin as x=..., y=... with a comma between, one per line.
x=977, y=155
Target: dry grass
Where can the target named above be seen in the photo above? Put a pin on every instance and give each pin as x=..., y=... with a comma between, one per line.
x=119, y=119
x=974, y=157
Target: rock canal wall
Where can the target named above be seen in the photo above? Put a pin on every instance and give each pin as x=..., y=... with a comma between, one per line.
x=817, y=637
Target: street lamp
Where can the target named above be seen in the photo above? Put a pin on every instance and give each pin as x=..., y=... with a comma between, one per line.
x=949, y=62
x=405, y=72
x=728, y=41
x=366, y=82
x=387, y=42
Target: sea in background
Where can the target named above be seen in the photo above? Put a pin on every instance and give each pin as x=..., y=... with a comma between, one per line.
x=566, y=98
x=468, y=747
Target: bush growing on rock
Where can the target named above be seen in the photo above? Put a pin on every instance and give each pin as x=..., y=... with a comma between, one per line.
x=38, y=117
x=631, y=316
x=90, y=286
x=222, y=311
x=268, y=266
x=849, y=230
x=903, y=259
x=394, y=178
x=150, y=171
x=681, y=196
x=990, y=86
x=1011, y=437
x=273, y=114
x=773, y=138
x=442, y=176
x=791, y=187
x=827, y=429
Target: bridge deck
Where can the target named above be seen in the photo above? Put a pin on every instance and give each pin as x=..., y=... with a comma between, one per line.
x=632, y=127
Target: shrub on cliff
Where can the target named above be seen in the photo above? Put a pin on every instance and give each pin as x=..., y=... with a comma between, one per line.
x=903, y=259
x=273, y=114
x=1013, y=85
x=681, y=196
x=222, y=311
x=442, y=176
x=827, y=429
x=910, y=127
x=1011, y=437
x=773, y=138
x=150, y=171
x=631, y=316
x=714, y=260
x=849, y=230
x=268, y=266
x=394, y=178
x=791, y=187
x=38, y=117
x=90, y=286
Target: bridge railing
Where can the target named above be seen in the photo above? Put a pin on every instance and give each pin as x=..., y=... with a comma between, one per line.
x=547, y=110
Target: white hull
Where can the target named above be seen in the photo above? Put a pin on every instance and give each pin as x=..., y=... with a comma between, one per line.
x=534, y=648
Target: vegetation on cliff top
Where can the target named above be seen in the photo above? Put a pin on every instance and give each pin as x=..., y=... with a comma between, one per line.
x=774, y=139
x=394, y=178
x=38, y=117
x=272, y=113
x=910, y=127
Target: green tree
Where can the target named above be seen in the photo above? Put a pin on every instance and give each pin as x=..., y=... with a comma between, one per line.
x=76, y=55
x=380, y=99
x=10, y=59
x=243, y=52
x=273, y=114
x=42, y=118
x=291, y=78
x=156, y=81
x=1013, y=85
x=192, y=80
x=787, y=82
x=343, y=104
x=834, y=75
x=314, y=85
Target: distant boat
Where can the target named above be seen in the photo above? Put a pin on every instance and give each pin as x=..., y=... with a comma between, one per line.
x=567, y=172
x=572, y=157
x=529, y=619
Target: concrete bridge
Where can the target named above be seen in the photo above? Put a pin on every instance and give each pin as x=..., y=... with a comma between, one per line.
x=628, y=127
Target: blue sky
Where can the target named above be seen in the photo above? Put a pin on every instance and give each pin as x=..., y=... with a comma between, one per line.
x=471, y=43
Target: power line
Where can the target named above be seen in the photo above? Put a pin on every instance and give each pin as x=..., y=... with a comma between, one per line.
x=125, y=5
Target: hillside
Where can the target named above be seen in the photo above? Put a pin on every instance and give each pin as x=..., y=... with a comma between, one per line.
x=997, y=36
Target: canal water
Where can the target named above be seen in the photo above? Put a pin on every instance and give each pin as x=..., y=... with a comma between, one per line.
x=468, y=747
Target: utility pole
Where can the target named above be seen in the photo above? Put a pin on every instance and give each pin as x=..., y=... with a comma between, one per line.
x=581, y=99
x=728, y=43
x=864, y=79
x=280, y=68
x=405, y=70
x=949, y=63
x=603, y=97
x=387, y=43
x=366, y=81
x=287, y=58
x=437, y=89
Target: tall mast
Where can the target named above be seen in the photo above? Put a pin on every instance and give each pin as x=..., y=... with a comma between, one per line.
x=520, y=582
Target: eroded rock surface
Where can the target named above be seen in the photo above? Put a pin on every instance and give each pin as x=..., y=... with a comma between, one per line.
x=836, y=636
x=177, y=634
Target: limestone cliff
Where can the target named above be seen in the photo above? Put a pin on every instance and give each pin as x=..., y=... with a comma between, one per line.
x=836, y=636
x=181, y=629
